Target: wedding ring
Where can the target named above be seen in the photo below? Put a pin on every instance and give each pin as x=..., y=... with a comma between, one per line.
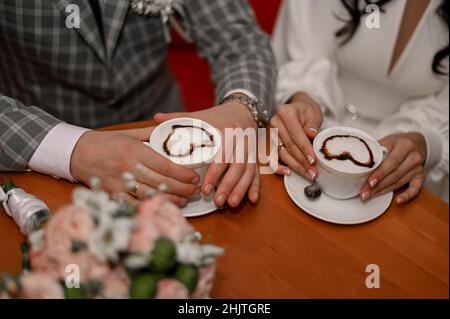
x=281, y=146
x=134, y=188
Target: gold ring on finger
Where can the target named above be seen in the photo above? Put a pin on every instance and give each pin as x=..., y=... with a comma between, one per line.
x=134, y=188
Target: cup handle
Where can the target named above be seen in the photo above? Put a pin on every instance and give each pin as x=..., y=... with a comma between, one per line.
x=385, y=152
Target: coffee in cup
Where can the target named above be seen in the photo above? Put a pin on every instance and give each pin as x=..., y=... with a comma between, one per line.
x=345, y=158
x=188, y=142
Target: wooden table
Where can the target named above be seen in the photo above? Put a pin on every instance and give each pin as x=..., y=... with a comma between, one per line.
x=274, y=250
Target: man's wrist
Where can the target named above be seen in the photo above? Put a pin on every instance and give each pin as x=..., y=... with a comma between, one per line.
x=244, y=118
x=76, y=163
x=254, y=108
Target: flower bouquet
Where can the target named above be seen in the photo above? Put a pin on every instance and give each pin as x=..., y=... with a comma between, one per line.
x=101, y=248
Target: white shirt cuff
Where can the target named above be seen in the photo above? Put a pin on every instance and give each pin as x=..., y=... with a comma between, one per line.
x=52, y=157
x=243, y=91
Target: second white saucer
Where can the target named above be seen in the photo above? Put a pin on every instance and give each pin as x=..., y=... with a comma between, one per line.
x=349, y=211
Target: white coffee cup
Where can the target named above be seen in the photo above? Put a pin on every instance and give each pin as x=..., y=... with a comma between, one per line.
x=201, y=157
x=337, y=181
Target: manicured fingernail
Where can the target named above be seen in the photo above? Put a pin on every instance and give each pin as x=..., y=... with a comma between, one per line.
x=221, y=200
x=365, y=195
x=373, y=182
x=400, y=200
x=182, y=202
x=312, y=130
x=195, y=180
x=198, y=191
x=235, y=200
x=208, y=189
x=310, y=159
x=255, y=196
x=286, y=171
x=311, y=174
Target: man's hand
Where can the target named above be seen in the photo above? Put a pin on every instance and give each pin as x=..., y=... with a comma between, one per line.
x=240, y=178
x=297, y=124
x=107, y=155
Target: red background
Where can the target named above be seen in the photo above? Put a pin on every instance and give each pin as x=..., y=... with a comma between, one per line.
x=193, y=73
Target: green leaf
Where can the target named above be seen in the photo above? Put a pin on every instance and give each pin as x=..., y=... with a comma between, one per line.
x=26, y=264
x=75, y=293
x=188, y=275
x=13, y=185
x=5, y=184
x=143, y=287
x=93, y=288
x=163, y=256
x=78, y=246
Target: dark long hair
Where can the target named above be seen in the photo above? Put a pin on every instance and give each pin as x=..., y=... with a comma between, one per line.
x=352, y=22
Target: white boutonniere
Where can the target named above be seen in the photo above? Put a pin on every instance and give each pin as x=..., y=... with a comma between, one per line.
x=166, y=9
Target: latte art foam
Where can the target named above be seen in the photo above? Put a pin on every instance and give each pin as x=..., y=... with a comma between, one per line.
x=182, y=140
x=348, y=147
x=347, y=151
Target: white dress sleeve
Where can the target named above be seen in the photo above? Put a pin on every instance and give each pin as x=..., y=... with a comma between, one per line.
x=304, y=46
x=430, y=116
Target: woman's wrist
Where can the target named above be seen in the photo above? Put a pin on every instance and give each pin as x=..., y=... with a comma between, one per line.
x=301, y=97
x=421, y=143
x=305, y=98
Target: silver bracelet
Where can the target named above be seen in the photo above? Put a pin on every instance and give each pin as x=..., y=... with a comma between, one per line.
x=261, y=118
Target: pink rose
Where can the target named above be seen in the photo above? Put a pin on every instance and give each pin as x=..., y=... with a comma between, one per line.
x=89, y=266
x=115, y=284
x=172, y=223
x=40, y=286
x=70, y=223
x=171, y=289
x=205, y=282
x=150, y=206
x=95, y=268
x=168, y=218
x=145, y=233
x=42, y=261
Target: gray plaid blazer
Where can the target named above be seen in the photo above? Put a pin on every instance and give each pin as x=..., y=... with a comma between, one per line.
x=50, y=73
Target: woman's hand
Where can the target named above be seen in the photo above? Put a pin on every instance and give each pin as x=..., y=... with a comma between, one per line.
x=297, y=124
x=407, y=153
x=240, y=178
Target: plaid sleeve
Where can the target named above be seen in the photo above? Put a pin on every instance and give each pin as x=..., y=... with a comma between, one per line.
x=21, y=131
x=240, y=54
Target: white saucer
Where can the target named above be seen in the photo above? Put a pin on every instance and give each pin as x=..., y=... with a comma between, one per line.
x=349, y=212
x=199, y=206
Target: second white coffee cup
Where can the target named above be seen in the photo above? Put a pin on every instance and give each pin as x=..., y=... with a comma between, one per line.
x=344, y=184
